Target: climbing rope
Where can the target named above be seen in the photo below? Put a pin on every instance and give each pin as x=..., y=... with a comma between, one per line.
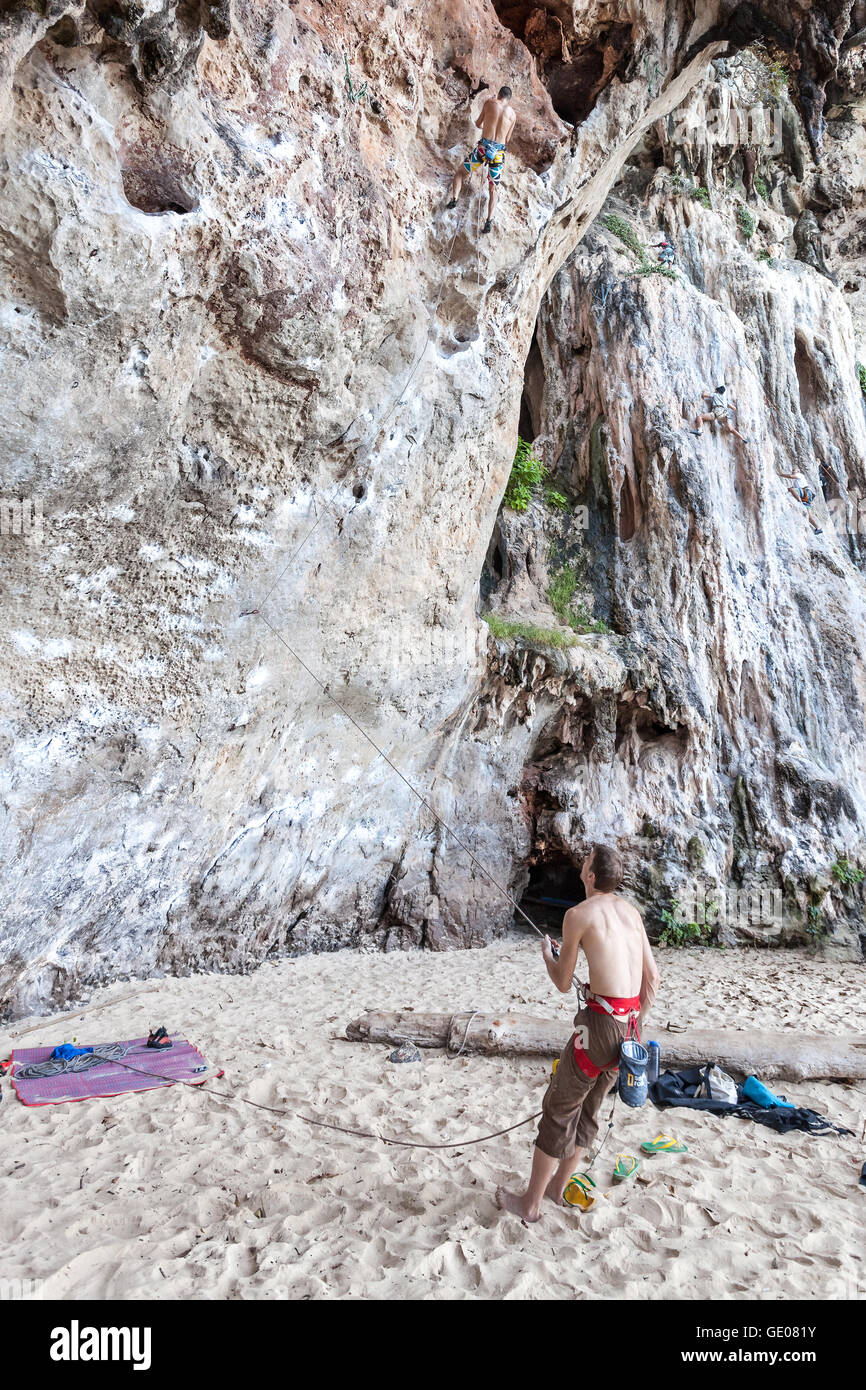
x=452, y=1056
x=367, y=449
x=29, y=1072
x=394, y=768
x=115, y=1053
x=62, y=1066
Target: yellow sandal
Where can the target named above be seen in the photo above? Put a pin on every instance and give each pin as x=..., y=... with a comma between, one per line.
x=579, y=1191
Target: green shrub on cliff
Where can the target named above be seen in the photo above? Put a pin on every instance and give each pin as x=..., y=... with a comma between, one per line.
x=814, y=923
x=861, y=375
x=527, y=473
x=746, y=222
x=676, y=933
x=507, y=628
x=561, y=597
x=846, y=873
x=556, y=501
x=702, y=196
x=624, y=233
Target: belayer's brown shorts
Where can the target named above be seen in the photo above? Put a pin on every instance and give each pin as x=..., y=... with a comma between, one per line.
x=572, y=1101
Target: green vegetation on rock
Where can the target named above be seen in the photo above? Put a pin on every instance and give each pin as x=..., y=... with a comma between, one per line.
x=846, y=873
x=675, y=933
x=507, y=628
x=561, y=596
x=527, y=474
x=746, y=222
x=814, y=923
x=626, y=234
x=556, y=501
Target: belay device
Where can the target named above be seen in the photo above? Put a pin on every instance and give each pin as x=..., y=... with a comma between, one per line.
x=633, y=1058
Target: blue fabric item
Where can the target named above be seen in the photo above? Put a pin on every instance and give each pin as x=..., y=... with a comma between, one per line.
x=755, y=1090
x=66, y=1050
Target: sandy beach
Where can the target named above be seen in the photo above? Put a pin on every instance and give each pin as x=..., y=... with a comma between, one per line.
x=177, y=1195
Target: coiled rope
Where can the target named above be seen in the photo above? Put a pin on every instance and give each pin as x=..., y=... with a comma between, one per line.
x=63, y=1066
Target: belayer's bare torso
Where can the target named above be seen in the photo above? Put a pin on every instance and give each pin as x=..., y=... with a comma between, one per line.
x=496, y=120
x=611, y=934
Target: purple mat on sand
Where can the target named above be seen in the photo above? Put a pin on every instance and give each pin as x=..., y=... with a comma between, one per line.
x=153, y=1069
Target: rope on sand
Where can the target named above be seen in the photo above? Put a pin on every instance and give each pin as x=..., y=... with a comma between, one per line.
x=308, y=1120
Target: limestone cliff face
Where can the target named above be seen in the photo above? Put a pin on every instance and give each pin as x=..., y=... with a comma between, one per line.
x=251, y=364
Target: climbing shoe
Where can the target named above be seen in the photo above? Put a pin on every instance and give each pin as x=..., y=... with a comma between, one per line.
x=452, y=204
x=159, y=1039
x=488, y=226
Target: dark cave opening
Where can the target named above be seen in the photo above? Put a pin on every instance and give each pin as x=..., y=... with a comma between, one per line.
x=494, y=568
x=157, y=191
x=573, y=75
x=532, y=400
x=525, y=426
x=554, y=886
x=807, y=377
x=627, y=511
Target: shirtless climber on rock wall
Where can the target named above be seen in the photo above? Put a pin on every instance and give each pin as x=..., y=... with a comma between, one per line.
x=496, y=123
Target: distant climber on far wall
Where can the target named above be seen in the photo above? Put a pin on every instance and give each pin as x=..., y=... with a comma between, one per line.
x=805, y=493
x=719, y=413
x=667, y=253
x=496, y=123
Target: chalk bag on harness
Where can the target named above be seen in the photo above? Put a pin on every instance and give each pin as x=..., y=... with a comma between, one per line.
x=633, y=1060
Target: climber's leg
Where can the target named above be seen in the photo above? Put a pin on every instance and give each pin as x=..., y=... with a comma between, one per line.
x=472, y=162
x=735, y=431
x=456, y=187
x=807, y=497
x=491, y=204
x=495, y=158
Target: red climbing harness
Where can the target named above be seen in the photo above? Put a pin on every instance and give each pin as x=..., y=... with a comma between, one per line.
x=627, y=1010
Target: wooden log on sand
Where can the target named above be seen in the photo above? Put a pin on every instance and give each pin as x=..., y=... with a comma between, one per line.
x=783, y=1056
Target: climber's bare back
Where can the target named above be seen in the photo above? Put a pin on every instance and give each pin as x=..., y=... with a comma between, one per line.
x=497, y=120
x=611, y=933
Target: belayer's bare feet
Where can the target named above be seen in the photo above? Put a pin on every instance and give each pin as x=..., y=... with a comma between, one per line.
x=554, y=1192
x=510, y=1201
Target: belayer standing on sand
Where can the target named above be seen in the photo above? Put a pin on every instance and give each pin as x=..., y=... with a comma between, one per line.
x=622, y=985
x=496, y=123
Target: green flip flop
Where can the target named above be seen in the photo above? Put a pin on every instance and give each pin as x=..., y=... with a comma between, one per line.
x=664, y=1144
x=626, y=1167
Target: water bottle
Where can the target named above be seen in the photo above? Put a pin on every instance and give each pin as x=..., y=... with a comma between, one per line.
x=652, y=1071
x=633, y=1060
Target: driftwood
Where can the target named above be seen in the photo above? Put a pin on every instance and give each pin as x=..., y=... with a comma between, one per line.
x=781, y=1056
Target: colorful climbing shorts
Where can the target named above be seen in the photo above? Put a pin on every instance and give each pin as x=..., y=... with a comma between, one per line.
x=488, y=152
x=806, y=496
